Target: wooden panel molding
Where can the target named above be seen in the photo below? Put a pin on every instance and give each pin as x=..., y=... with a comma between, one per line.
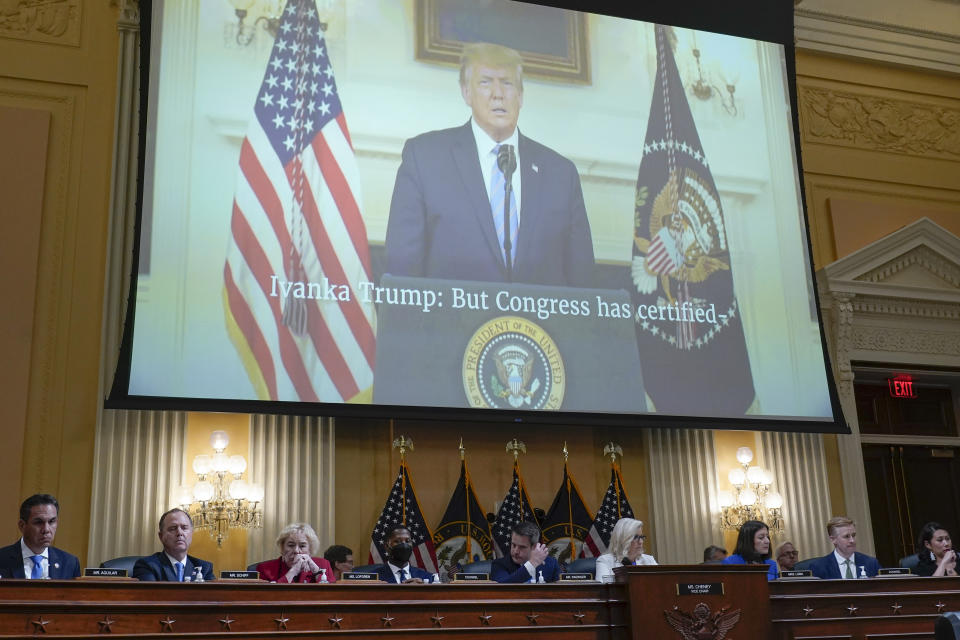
x=56, y=21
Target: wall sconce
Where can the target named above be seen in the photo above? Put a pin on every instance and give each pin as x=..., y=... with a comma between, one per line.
x=705, y=88
x=221, y=499
x=751, y=498
x=267, y=13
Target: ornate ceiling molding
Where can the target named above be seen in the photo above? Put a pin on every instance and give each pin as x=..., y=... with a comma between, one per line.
x=876, y=40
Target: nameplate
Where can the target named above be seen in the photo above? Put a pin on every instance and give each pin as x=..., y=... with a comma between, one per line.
x=470, y=577
x=360, y=576
x=700, y=589
x=896, y=571
x=239, y=575
x=797, y=573
x=575, y=577
x=102, y=572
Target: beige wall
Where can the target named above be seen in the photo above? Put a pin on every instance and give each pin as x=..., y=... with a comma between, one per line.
x=60, y=68
x=880, y=148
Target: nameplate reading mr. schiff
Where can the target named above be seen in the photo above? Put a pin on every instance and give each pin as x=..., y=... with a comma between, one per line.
x=239, y=575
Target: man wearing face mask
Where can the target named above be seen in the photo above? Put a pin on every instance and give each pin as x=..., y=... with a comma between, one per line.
x=397, y=569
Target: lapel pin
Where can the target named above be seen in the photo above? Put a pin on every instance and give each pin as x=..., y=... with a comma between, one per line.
x=536, y=169
x=56, y=565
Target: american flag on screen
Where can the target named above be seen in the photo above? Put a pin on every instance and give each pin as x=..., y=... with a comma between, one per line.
x=614, y=507
x=298, y=246
x=402, y=508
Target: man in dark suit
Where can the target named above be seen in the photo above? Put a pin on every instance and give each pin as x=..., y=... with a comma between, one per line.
x=33, y=557
x=845, y=562
x=173, y=564
x=529, y=561
x=447, y=213
x=397, y=569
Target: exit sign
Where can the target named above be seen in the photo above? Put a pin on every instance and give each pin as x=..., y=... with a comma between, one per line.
x=901, y=386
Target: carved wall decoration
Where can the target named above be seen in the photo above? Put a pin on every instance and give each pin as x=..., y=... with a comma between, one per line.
x=895, y=339
x=879, y=123
x=41, y=20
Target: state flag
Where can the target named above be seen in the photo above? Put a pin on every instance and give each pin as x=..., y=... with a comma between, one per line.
x=568, y=521
x=463, y=535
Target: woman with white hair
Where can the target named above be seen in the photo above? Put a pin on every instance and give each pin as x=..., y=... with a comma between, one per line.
x=298, y=544
x=626, y=547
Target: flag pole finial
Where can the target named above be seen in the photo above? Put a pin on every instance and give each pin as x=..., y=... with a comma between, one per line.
x=404, y=444
x=566, y=453
x=463, y=451
x=613, y=450
x=516, y=447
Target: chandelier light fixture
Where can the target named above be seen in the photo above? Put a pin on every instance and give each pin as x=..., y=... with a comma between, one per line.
x=751, y=498
x=221, y=499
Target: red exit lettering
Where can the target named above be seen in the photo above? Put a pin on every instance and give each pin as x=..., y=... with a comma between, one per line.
x=901, y=386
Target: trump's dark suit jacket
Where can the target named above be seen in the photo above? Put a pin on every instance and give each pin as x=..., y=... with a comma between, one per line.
x=158, y=568
x=828, y=569
x=441, y=225
x=63, y=565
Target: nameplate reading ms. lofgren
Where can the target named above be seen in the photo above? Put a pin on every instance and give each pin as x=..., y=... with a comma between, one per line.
x=700, y=589
x=361, y=576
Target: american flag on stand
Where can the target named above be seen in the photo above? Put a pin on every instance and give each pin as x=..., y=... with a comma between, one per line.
x=614, y=507
x=298, y=245
x=402, y=508
x=514, y=509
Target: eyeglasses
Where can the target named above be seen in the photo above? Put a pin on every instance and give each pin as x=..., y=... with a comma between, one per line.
x=639, y=538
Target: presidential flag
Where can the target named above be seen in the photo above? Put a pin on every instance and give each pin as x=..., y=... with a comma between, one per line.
x=463, y=535
x=297, y=260
x=689, y=329
x=615, y=506
x=403, y=509
x=567, y=523
x=515, y=508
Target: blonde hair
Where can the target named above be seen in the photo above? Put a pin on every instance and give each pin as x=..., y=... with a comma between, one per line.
x=838, y=521
x=299, y=527
x=494, y=55
x=622, y=536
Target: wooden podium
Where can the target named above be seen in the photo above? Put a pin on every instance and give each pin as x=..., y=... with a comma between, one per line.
x=697, y=602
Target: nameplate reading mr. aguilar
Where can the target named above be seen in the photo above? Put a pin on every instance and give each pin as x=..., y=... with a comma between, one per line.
x=101, y=572
x=700, y=589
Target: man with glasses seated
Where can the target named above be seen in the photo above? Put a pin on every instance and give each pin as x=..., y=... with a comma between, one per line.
x=787, y=556
x=626, y=548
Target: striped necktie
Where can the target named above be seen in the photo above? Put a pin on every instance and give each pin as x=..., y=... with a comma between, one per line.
x=497, y=188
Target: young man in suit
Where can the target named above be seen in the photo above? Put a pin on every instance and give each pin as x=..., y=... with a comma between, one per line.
x=33, y=557
x=528, y=560
x=397, y=569
x=447, y=217
x=173, y=564
x=845, y=562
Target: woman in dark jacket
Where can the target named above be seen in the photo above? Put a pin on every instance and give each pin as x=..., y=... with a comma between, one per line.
x=937, y=557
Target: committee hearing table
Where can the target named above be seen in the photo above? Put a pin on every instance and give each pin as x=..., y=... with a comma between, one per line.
x=669, y=602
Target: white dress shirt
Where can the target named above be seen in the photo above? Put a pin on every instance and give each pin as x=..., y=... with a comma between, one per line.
x=28, y=560
x=395, y=570
x=485, y=147
x=841, y=564
x=606, y=563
